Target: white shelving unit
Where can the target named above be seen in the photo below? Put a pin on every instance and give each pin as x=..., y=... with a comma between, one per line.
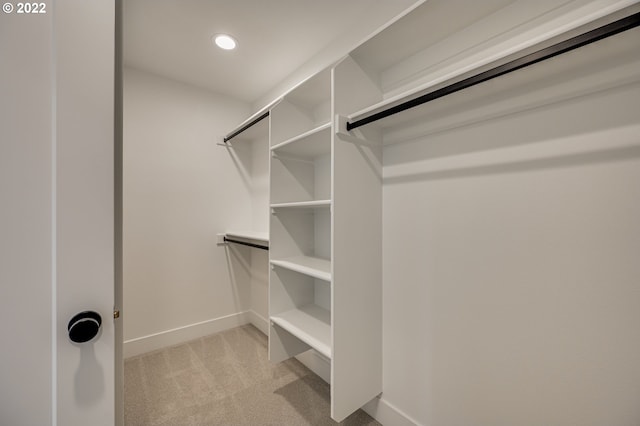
x=325, y=278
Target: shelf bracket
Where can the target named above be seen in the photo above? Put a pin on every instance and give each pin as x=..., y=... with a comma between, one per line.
x=354, y=136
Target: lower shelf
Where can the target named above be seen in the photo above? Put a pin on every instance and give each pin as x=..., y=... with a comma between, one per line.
x=311, y=324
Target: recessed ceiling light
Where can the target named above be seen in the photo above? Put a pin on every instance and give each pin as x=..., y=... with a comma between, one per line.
x=224, y=41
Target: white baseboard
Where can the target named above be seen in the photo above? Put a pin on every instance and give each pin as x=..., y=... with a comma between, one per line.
x=387, y=414
x=179, y=335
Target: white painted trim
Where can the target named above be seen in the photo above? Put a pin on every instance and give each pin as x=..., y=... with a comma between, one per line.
x=54, y=219
x=387, y=414
x=183, y=334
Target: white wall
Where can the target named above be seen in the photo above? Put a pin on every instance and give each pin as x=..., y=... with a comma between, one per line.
x=25, y=220
x=511, y=275
x=180, y=190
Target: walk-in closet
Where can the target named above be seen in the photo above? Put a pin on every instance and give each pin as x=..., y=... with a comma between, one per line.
x=412, y=212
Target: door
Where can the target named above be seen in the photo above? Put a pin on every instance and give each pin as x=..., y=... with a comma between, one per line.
x=57, y=211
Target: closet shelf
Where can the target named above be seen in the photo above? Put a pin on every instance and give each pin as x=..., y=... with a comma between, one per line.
x=307, y=265
x=245, y=127
x=248, y=128
x=303, y=204
x=468, y=75
x=423, y=89
x=308, y=145
x=249, y=235
x=311, y=324
x=311, y=92
x=254, y=239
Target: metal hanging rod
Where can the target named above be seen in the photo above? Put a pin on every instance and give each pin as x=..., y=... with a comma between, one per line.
x=230, y=240
x=572, y=43
x=245, y=127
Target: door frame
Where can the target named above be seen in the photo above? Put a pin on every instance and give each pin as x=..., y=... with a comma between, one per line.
x=118, y=124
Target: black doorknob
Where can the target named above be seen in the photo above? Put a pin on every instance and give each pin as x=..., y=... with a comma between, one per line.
x=84, y=326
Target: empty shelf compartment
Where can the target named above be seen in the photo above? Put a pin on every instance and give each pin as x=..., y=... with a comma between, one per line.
x=307, y=146
x=311, y=324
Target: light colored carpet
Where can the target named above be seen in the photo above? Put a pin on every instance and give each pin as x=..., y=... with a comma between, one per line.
x=225, y=379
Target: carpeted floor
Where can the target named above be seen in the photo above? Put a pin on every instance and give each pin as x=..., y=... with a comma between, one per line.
x=225, y=379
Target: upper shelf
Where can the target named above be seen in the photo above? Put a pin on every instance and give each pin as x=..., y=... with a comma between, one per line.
x=253, y=239
x=250, y=235
x=533, y=79
x=527, y=77
x=309, y=145
x=256, y=126
x=435, y=44
x=420, y=41
x=312, y=92
x=250, y=130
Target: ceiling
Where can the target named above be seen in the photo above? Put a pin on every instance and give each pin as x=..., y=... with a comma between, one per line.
x=172, y=38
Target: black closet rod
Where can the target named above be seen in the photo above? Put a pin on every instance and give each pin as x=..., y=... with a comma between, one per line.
x=605, y=31
x=245, y=127
x=229, y=240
